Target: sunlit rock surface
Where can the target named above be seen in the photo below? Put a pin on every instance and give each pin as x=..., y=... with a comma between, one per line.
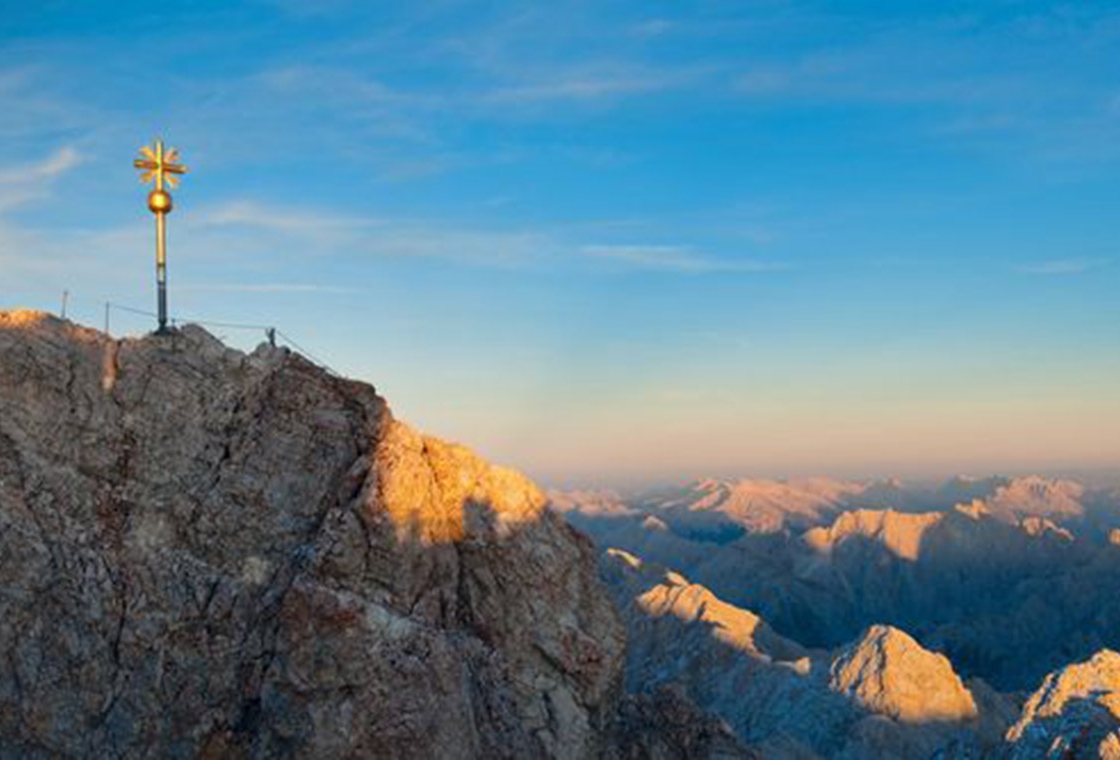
x=882, y=695
x=979, y=569
x=1075, y=714
x=210, y=554
x=900, y=534
x=889, y=673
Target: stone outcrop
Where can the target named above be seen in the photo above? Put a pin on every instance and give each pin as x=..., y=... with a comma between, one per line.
x=770, y=690
x=882, y=695
x=666, y=724
x=210, y=554
x=1074, y=714
x=900, y=534
x=1037, y=496
x=888, y=673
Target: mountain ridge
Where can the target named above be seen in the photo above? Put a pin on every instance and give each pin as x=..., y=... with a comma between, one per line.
x=880, y=695
x=1022, y=565
x=207, y=553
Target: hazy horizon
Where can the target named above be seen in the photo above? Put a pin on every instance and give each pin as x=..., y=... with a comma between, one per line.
x=1104, y=478
x=620, y=245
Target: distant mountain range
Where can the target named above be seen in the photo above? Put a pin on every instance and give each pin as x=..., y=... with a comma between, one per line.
x=206, y=553
x=828, y=618
x=211, y=554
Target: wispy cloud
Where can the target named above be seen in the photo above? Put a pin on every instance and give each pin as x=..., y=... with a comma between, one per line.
x=24, y=184
x=594, y=86
x=315, y=232
x=60, y=162
x=1059, y=267
x=22, y=251
x=268, y=287
x=242, y=213
x=883, y=73
x=654, y=27
x=673, y=258
x=969, y=77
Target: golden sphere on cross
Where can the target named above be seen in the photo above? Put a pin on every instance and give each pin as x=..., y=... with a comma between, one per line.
x=159, y=202
x=161, y=167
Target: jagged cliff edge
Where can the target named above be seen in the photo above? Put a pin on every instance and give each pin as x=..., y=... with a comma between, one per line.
x=205, y=553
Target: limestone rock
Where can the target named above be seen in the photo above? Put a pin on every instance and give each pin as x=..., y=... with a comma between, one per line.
x=881, y=696
x=210, y=554
x=889, y=673
x=901, y=534
x=666, y=724
x=1075, y=714
x=725, y=659
x=1037, y=496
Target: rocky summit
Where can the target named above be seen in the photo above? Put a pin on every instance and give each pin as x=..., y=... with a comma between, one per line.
x=887, y=672
x=212, y=554
x=205, y=553
x=1074, y=713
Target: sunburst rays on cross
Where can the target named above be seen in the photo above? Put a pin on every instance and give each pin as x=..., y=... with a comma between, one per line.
x=160, y=165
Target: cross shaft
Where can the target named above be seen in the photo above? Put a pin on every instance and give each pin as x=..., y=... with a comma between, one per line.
x=161, y=166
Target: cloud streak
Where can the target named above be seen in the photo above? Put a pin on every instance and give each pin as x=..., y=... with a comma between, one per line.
x=331, y=234
x=268, y=287
x=60, y=162
x=673, y=258
x=243, y=213
x=1062, y=267
x=31, y=182
x=585, y=87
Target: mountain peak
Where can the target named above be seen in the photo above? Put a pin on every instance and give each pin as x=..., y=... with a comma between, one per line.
x=1075, y=713
x=901, y=533
x=888, y=672
x=262, y=540
x=656, y=593
x=1034, y=495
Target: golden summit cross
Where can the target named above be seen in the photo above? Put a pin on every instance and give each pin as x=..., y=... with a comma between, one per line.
x=161, y=166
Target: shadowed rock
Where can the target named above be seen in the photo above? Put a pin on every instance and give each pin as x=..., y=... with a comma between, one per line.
x=880, y=696
x=1025, y=568
x=1075, y=714
x=210, y=554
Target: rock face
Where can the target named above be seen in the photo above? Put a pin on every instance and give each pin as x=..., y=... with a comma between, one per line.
x=211, y=554
x=1075, y=714
x=900, y=534
x=725, y=659
x=671, y=595
x=880, y=696
x=889, y=673
x=666, y=724
x=1023, y=565
x=1037, y=496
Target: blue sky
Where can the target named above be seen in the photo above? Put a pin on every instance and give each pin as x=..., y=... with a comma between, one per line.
x=611, y=241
